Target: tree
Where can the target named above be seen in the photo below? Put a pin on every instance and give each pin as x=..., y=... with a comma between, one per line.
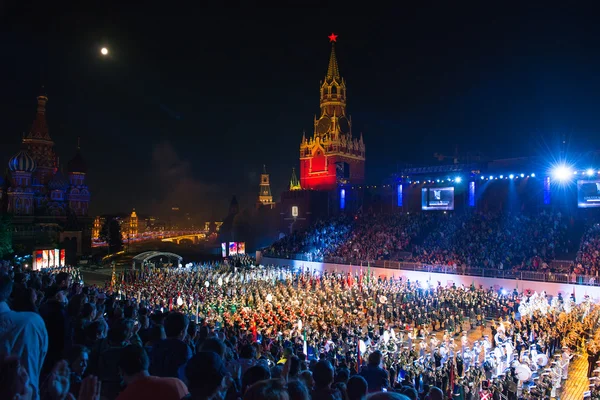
x=5, y=237
x=111, y=234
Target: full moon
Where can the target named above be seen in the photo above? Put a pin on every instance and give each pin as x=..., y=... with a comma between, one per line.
x=104, y=51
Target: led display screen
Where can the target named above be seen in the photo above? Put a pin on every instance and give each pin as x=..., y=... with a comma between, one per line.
x=232, y=248
x=437, y=198
x=588, y=193
x=241, y=247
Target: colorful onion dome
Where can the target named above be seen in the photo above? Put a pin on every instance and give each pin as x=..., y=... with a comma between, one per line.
x=58, y=182
x=21, y=162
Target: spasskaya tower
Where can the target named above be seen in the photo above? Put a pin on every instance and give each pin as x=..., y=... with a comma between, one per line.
x=332, y=156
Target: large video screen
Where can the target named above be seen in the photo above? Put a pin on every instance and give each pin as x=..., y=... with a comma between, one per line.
x=588, y=193
x=438, y=198
x=232, y=248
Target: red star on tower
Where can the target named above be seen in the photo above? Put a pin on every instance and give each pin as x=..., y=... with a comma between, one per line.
x=332, y=37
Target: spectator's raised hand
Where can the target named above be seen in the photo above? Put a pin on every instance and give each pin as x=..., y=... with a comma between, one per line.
x=90, y=389
x=57, y=384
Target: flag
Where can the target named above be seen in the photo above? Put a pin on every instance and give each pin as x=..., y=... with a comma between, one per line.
x=358, y=357
x=451, y=385
x=254, y=333
x=304, y=345
x=360, y=276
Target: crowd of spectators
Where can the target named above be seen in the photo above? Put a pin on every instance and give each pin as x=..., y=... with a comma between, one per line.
x=62, y=340
x=475, y=240
x=588, y=257
x=365, y=237
x=496, y=240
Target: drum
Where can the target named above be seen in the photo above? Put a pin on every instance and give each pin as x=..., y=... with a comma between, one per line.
x=523, y=372
x=541, y=360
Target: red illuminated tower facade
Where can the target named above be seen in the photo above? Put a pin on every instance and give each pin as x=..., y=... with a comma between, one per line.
x=332, y=156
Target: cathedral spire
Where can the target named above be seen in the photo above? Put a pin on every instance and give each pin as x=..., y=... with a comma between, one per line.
x=39, y=128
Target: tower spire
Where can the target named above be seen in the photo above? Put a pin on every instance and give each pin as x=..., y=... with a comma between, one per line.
x=264, y=192
x=333, y=71
x=294, y=182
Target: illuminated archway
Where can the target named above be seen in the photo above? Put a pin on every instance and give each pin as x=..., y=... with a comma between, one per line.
x=142, y=258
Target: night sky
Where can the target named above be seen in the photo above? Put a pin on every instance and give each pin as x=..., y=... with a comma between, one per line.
x=191, y=103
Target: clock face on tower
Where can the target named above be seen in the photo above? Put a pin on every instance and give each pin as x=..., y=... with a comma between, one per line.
x=344, y=124
x=323, y=125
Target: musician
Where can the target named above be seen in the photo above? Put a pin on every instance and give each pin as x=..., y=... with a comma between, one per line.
x=593, y=355
x=485, y=393
x=464, y=342
x=487, y=344
x=564, y=362
x=555, y=377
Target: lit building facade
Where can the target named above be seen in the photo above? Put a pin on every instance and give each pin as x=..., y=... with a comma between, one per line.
x=47, y=207
x=265, y=197
x=97, y=227
x=332, y=155
x=133, y=224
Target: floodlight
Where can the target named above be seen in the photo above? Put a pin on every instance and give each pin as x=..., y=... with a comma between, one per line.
x=562, y=173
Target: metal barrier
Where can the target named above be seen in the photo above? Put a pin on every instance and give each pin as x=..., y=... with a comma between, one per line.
x=447, y=269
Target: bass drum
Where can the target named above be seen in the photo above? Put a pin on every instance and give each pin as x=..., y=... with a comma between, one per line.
x=523, y=373
x=541, y=360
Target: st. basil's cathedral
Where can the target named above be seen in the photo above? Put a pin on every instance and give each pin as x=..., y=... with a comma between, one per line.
x=48, y=205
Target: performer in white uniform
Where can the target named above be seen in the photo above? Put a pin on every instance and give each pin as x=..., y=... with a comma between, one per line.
x=564, y=362
x=464, y=341
x=498, y=360
x=487, y=345
x=555, y=376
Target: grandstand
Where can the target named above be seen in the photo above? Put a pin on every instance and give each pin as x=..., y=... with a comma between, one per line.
x=509, y=215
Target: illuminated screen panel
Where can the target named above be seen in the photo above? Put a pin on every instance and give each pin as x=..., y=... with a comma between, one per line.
x=232, y=248
x=224, y=250
x=241, y=247
x=588, y=193
x=38, y=260
x=44, y=258
x=51, y=258
x=56, y=257
x=62, y=257
x=399, y=193
x=439, y=198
